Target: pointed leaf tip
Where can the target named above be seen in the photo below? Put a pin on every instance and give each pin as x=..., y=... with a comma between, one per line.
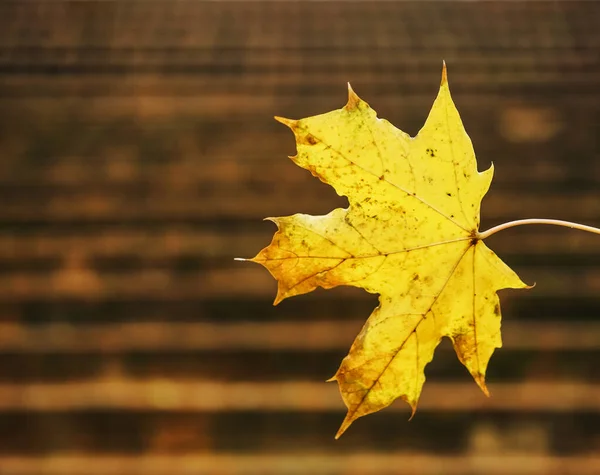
x=291, y=123
x=480, y=380
x=444, y=74
x=345, y=424
x=353, y=99
x=413, y=412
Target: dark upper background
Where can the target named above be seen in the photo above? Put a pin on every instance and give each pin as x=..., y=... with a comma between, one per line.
x=138, y=156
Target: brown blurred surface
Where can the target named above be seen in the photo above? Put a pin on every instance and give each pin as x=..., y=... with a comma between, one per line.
x=138, y=156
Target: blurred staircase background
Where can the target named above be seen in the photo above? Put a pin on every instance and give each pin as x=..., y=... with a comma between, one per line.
x=138, y=156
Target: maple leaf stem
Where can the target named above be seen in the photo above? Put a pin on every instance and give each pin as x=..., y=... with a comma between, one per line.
x=553, y=222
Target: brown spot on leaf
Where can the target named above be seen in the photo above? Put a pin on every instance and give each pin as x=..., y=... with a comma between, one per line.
x=308, y=139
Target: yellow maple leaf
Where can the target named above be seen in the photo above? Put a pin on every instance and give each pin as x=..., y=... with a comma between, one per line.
x=410, y=234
